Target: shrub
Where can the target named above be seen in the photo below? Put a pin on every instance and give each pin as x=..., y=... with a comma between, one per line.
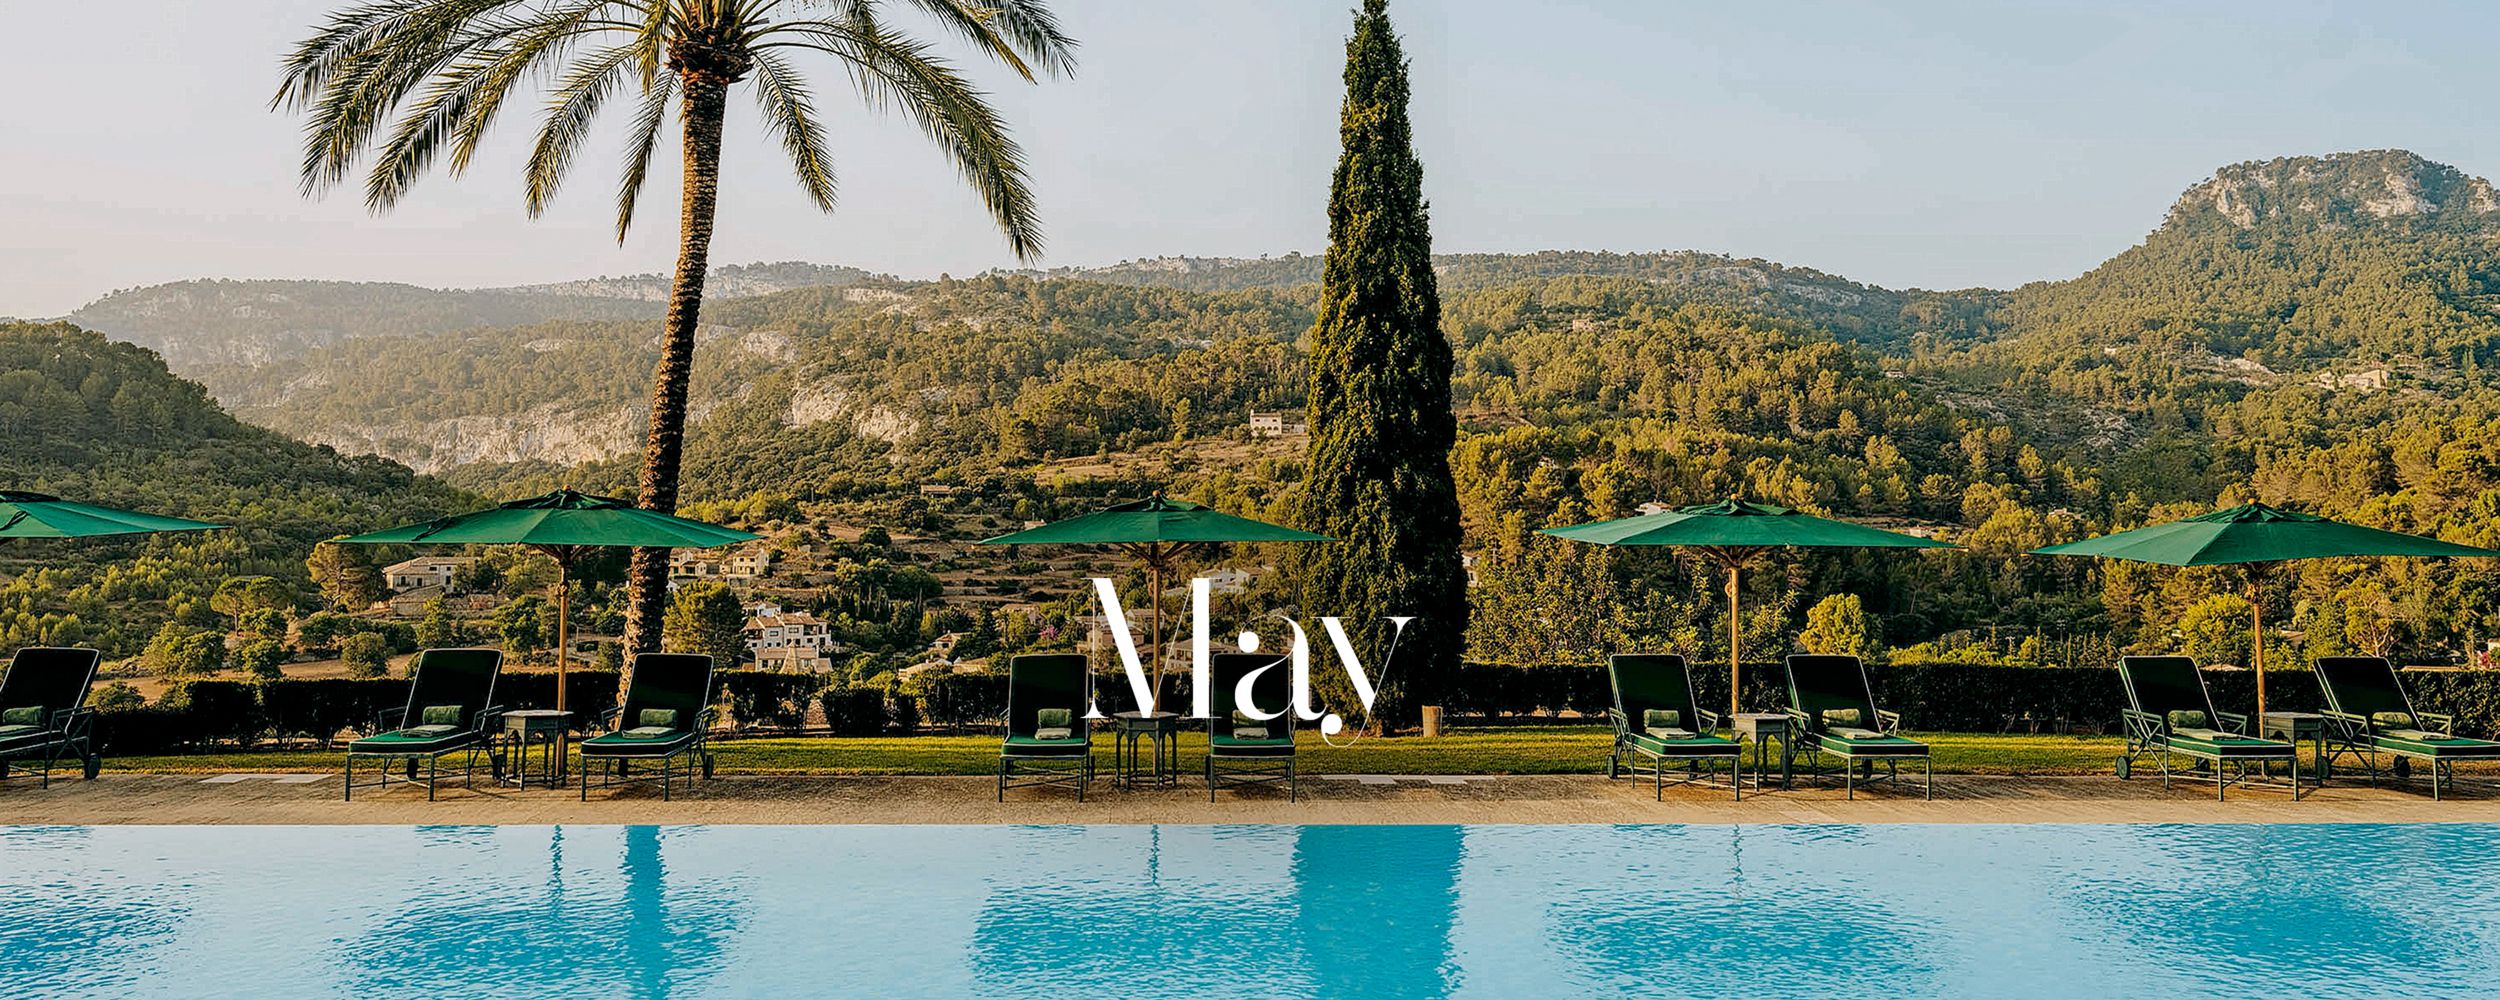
x=263, y=659
x=759, y=697
x=854, y=711
x=367, y=654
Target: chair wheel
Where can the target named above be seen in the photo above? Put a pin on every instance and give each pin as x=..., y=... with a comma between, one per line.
x=2125, y=768
x=94, y=766
x=707, y=766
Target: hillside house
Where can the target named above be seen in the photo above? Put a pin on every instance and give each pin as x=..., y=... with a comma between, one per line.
x=424, y=571
x=788, y=630
x=1277, y=423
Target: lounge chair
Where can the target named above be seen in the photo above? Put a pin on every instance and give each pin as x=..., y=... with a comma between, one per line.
x=667, y=714
x=1242, y=750
x=1832, y=712
x=1656, y=720
x=451, y=710
x=1048, y=737
x=43, y=711
x=2368, y=713
x=2170, y=712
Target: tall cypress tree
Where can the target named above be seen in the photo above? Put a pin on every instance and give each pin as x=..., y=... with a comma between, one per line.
x=1381, y=426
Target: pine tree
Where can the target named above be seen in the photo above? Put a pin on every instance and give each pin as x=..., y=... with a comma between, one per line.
x=1381, y=427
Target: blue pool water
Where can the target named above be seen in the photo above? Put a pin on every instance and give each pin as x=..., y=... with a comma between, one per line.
x=1249, y=911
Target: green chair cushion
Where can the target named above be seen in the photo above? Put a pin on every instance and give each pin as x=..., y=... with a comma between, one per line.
x=1662, y=718
x=413, y=742
x=657, y=718
x=2216, y=743
x=1053, y=718
x=2427, y=745
x=439, y=715
x=1686, y=746
x=1030, y=746
x=2188, y=718
x=1881, y=746
x=2388, y=721
x=625, y=744
x=1224, y=744
x=1836, y=718
x=432, y=730
x=27, y=715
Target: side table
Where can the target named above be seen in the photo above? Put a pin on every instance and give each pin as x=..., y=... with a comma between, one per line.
x=2293, y=727
x=1762, y=728
x=543, y=728
x=1131, y=731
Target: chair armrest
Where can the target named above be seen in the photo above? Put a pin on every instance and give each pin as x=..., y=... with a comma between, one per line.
x=389, y=719
x=706, y=719
x=1798, y=720
x=1621, y=722
x=2232, y=722
x=1709, y=719
x=1887, y=723
x=2142, y=722
x=486, y=717
x=2441, y=723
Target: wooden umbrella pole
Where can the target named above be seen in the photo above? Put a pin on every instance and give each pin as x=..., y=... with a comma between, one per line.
x=2257, y=634
x=1734, y=634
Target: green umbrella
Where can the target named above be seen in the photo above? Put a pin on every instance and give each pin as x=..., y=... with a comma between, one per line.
x=560, y=524
x=36, y=515
x=1159, y=532
x=2256, y=537
x=1735, y=533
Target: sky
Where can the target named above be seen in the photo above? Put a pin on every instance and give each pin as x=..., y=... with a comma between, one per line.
x=1937, y=145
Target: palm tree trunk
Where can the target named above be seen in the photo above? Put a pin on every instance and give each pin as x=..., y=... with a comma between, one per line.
x=663, y=451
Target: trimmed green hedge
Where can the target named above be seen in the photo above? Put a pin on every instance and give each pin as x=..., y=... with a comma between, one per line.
x=1933, y=697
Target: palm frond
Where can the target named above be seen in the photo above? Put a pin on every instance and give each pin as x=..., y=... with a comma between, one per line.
x=1019, y=33
x=646, y=139
x=570, y=112
x=790, y=111
x=901, y=74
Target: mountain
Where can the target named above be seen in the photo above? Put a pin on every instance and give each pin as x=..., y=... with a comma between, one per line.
x=198, y=324
x=91, y=419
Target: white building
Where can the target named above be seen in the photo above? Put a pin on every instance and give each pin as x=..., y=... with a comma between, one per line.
x=788, y=630
x=424, y=571
x=1277, y=423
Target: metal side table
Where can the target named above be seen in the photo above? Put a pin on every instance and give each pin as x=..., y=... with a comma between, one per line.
x=2293, y=727
x=1762, y=728
x=1130, y=732
x=544, y=729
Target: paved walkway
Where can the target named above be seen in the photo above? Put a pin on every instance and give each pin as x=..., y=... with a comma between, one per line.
x=314, y=799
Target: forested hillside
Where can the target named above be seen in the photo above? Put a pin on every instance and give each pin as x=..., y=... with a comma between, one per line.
x=88, y=419
x=2314, y=331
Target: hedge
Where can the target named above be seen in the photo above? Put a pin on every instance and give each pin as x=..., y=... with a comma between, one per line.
x=1931, y=697
x=216, y=711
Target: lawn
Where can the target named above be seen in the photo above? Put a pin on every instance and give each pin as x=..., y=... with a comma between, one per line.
x=1507, y=750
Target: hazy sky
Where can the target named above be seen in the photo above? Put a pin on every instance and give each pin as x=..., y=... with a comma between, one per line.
x=1929, y=144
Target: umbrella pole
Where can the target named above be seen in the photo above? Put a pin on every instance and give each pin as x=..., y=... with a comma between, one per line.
x=2257, y=635
x=1733, y=637
x=1154, y=583
x=564, y=613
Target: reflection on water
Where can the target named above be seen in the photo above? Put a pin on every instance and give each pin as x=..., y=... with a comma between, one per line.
x=1197, y=911
x=618, y=932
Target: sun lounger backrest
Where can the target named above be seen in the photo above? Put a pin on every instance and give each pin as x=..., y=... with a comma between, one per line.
x=463, y=677
x=2362, y=685
x=1046, y=680
x=2165, y=684
x=1818, y=683
x=1271, y=692
x=1643, y=681
x=676, y=682
x=54, y=677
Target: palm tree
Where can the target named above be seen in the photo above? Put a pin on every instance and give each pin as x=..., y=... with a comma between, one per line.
x=405, y=82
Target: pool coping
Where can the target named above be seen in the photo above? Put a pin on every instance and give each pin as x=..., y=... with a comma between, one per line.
x=301, y=799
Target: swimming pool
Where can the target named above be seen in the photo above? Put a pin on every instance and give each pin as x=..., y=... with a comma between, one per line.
x=1249, y=911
